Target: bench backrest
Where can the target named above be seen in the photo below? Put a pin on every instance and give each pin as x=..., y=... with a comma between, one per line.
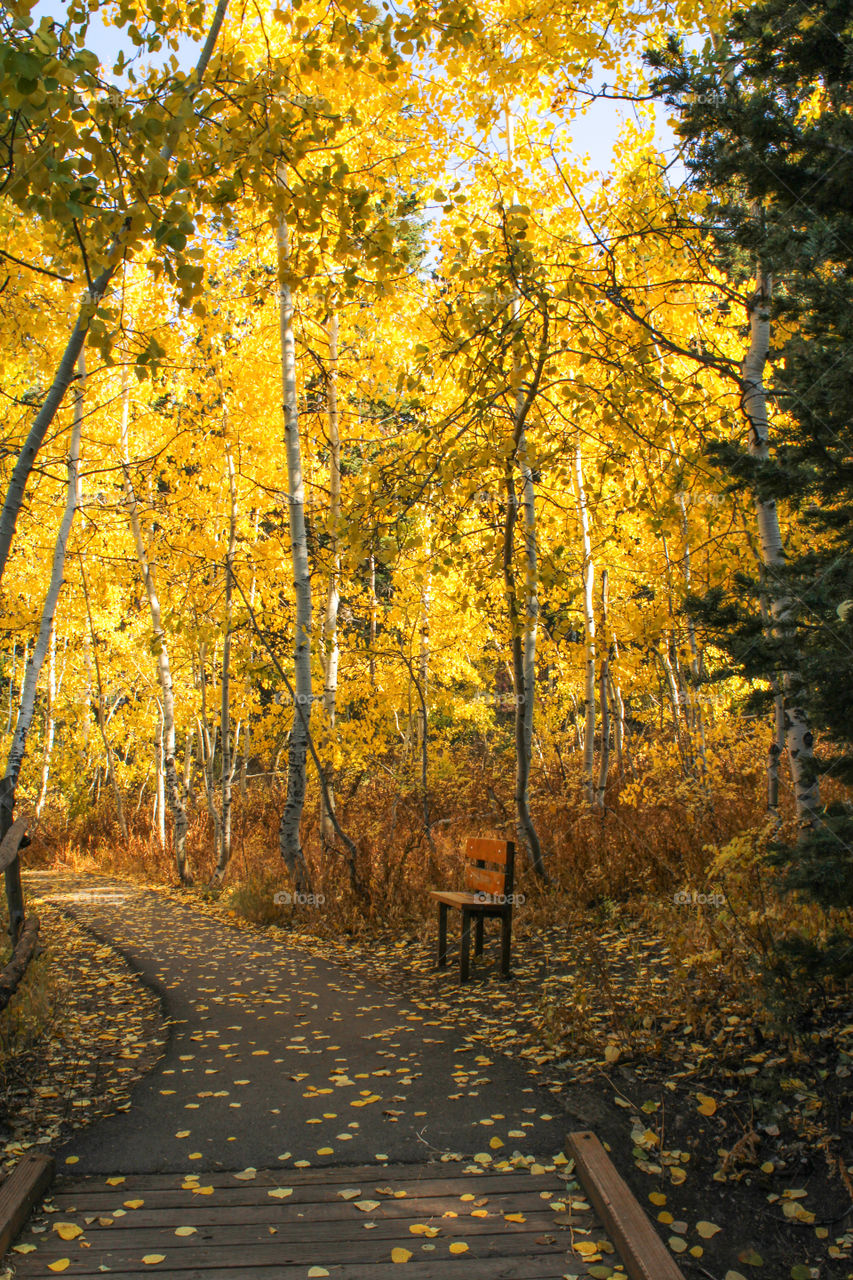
x=489, y=866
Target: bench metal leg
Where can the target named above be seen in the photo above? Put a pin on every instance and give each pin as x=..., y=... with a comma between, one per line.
x=478, y=934
x=442, y=934
x=465, y=947
x=506, y=941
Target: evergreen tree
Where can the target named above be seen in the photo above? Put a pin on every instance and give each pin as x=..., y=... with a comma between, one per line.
x=767, y=117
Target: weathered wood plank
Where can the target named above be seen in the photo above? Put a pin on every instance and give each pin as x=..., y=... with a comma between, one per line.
x=23, y=1188
x=233, y=1189
x=430, y=1178
x=233, y=1204
x=640, y=1247
x=543, y=1268
x=287, y=1251
x=127, y=1235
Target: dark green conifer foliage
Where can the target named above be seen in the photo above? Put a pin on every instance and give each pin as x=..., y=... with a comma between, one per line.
x=767, y=115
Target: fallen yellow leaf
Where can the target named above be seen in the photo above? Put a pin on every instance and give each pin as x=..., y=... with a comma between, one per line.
x=400, y=1255
x=459, y=1246
x=67, y=1230
x=151, y=1259
x=60, y=1265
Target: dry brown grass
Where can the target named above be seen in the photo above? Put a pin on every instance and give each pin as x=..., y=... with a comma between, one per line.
x=657, y=835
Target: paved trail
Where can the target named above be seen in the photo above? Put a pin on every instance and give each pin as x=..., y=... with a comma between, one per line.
x=276, y=1057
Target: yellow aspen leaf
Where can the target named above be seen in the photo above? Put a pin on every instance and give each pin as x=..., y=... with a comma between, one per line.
x=707, y=1105
x=133, y=1204
x=152, y=1259
x=67, y=1230
x=185, y=1231
x=657, y=1197
x=117, y=1181
x=61, y=1264
x=317, y=1271
x=400, y=1255
x=459, y=1246
x=280, y=1193
x=707, y=1229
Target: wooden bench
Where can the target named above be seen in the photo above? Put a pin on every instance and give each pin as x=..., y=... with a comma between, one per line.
x=488, y=892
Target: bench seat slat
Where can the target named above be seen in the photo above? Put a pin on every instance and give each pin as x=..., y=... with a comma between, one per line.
x=471, y=900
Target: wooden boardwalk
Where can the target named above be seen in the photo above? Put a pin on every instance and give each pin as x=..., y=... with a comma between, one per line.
x=351, y=1223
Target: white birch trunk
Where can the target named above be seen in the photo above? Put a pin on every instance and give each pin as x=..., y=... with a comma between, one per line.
x=160, y=790
x=798, y=734
x=49, y=723
x=604, y=680
x=524, y=710
x=229, y=756
x=164, y=671
x=17, y=749
x=102, y=719
x=10, y=716
x=330, y=620
x=374, y=604
x=289, y=836
x=588, y=575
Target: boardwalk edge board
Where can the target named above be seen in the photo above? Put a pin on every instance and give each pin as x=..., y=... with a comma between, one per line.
x=22, y=1189
x=640, y=1247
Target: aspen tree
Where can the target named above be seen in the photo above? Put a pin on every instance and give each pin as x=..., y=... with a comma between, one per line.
x=330, y=619
x=289, y=834
x=26, y=707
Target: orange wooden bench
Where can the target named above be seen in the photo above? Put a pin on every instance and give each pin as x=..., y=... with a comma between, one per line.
x=488, y=892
